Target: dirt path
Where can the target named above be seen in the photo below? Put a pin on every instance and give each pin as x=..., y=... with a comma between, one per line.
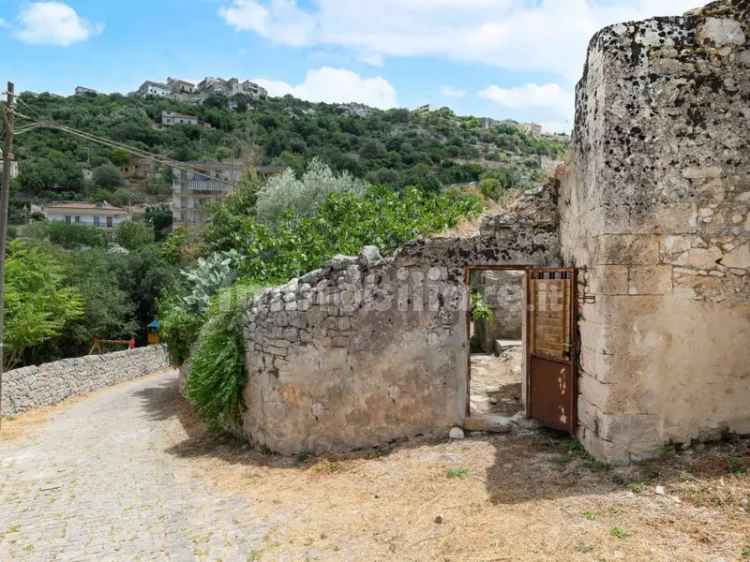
x=496, y=383
x=127, y=474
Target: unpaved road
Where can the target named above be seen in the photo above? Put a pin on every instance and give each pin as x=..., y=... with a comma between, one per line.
x=127, y=474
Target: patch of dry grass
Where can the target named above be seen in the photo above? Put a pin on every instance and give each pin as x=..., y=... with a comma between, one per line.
x=519, y=497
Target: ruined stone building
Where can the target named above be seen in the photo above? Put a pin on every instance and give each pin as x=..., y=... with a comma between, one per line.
x=637, y=276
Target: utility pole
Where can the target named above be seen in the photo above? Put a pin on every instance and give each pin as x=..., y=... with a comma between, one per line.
x=4, y=197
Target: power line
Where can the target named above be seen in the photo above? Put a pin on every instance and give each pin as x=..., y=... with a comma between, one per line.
x=25, y=129
x=121, y=146
x=21, y=115
x=32, y=111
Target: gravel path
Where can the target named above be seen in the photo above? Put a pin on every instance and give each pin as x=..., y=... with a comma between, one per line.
x=98, y=482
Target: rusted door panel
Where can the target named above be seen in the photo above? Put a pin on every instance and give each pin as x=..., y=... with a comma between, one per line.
x=550, y=393
x=550, y=360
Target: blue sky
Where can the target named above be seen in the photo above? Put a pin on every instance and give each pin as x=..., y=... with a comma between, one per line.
x=501, y=58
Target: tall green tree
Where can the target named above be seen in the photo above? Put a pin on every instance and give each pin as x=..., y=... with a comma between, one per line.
x=133, y=235
x=39, y=301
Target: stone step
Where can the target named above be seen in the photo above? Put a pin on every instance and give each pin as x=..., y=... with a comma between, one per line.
x=505, y=345
x=489, y=424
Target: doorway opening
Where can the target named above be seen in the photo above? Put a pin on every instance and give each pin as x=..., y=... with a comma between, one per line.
x=496, y=330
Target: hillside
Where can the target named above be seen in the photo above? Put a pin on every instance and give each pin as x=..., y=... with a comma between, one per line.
x=394, y=148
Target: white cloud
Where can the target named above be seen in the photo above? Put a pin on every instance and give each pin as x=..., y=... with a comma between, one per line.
x=452, y=92
x=550, y=104
x=547, y=37
x=336, y=85
x=527, y=96
x=373, y=59
x=543, y=35
x=281, y=21
x=53, y=23
x=246, y=16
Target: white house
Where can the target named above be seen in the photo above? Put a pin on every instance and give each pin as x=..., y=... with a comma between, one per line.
x=102, y=215
x=157, y=89
x=169, y=118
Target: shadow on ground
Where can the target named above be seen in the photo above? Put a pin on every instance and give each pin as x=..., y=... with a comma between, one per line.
x=528, y=466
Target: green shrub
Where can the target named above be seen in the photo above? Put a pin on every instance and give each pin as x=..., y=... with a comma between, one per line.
x=178, y=330
x=479, y=308
x=301, y=197
x=72, y=236
x=491, y=187
x=210, y=275
x=217, y=372
x=342, y=224
x=133, y=235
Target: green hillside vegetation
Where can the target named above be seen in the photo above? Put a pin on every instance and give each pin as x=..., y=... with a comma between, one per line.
x=355, y=176
x=394, y=148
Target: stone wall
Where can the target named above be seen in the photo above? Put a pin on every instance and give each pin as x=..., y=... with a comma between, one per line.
x=656, y=212
x=369, y=350
x=503, y=293
x=44, y=385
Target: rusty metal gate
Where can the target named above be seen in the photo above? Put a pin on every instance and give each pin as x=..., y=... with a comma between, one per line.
x=550, y=361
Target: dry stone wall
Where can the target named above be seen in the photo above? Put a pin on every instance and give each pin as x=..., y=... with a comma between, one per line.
x=656, y=212
x=44, y=385
x=369, y=350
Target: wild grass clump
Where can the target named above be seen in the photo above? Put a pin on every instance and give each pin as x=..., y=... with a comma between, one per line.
x=217, y=375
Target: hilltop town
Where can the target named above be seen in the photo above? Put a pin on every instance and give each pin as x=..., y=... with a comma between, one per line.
x=220, y=128
x=188, y=92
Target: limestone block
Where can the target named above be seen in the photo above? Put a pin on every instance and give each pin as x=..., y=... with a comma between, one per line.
x=627, y=249
x=700, y=258
x=717, y=32
x=603, y=450
x=650, y=280
x=598, y=364
x=642, y=429
x=608, y=280
x=702, y=172
x=596, y=392
x=621, y=310
x=738, y=258
x=588, y=414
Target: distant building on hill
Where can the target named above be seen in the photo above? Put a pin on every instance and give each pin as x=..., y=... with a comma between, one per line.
x=81, y=91
x=102, y=214
x=194, y=190
x=531, y=128
x=156, y=89
x=187, y=92
x=137, y=168
x=177, y=86
x=207, y=182
x=170, y=118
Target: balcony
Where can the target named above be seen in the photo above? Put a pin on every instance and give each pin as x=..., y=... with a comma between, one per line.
x=207, y=186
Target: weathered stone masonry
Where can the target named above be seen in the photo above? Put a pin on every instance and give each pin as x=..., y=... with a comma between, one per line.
x=653, y=210
x=368, y=350
x=51, y=383
x=656, y=212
